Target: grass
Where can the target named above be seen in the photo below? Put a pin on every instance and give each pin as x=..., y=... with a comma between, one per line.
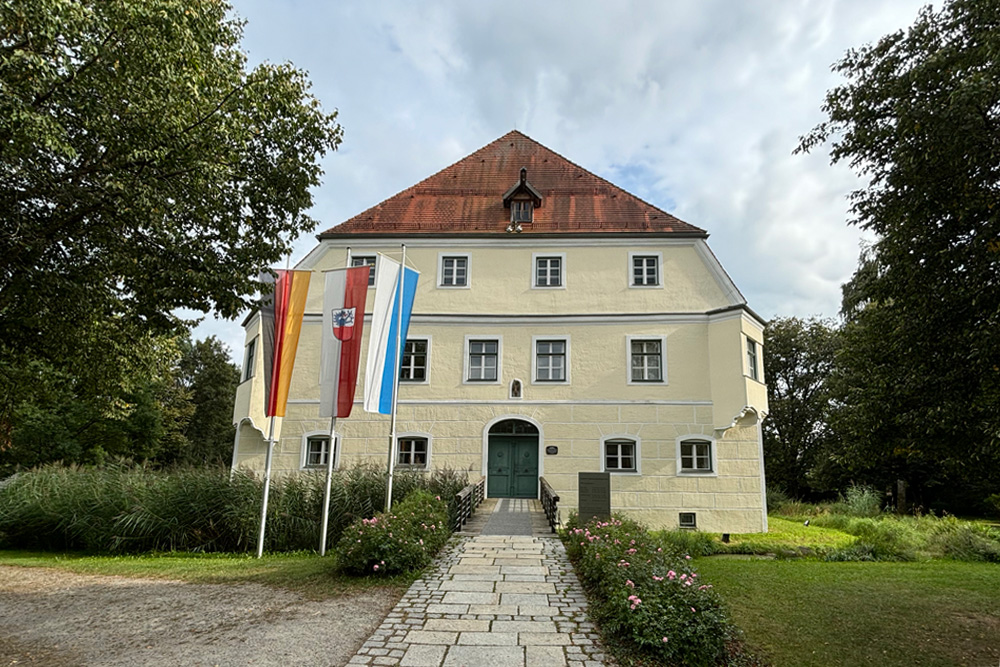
x=309, y=574
x=808, y=612
x=789, y=534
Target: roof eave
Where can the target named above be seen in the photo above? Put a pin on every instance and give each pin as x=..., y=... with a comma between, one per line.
x=329, y=235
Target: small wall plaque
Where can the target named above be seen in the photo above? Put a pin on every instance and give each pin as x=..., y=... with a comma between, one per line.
x=595, y=495
x=551, y=450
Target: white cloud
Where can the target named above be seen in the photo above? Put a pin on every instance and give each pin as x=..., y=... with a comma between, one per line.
x=696, y=107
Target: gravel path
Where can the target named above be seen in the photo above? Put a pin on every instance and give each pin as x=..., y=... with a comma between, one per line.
x=54, y=618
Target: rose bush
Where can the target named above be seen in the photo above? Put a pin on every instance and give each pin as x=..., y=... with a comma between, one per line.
x=646, y=594
x=405, y=539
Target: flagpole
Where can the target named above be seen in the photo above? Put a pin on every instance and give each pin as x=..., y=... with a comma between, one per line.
x=267, y=489
x=329, y=480
x=395, y=376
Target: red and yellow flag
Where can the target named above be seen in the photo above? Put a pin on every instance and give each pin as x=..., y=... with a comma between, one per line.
x=281, y=321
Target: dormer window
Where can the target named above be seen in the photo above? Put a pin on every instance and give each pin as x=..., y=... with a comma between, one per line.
x=520, y=211
x=522, y=200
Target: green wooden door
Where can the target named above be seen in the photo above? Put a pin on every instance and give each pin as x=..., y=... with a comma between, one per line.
x=526, y=468
x=512, y=467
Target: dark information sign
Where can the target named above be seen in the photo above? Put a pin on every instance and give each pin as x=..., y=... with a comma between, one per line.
x=595, y=495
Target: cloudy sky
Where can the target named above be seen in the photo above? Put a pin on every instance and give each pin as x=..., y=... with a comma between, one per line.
x=694, y=106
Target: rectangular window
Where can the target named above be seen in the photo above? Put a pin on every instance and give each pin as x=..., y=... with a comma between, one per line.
x=412, y=452
x=414, y=367
x=248, y=360
x=687, y=520
x=317, y=452
x=619, y=456
x=366, y=260
x=548, y=272
x=550, y=361
x=454, y=271
x=647, y=361
x=645, y=270
x=521, y=211
x=752, y=359
x=696, y=456
x=483, y=357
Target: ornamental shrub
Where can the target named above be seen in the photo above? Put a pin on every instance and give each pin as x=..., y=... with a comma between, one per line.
x=403, y=540
x=647, y=595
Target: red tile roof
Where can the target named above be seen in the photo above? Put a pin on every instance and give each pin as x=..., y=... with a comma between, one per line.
x=467, y=198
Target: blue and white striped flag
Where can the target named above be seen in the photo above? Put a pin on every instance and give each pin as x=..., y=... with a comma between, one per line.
x=383, y=356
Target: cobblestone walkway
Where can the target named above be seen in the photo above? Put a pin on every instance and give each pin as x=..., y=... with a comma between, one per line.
x=490, y=600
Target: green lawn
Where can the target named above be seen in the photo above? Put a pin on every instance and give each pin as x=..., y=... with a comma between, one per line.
x=808, y=612
x=307, y=573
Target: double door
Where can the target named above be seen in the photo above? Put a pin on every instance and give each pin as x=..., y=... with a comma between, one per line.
x=512, y=468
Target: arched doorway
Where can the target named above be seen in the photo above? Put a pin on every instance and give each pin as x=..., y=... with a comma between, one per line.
x=512, y=460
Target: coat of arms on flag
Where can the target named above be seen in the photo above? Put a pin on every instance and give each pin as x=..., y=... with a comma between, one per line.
x=343, y=323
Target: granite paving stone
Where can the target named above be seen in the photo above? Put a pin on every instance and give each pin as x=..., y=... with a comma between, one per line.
x=491, y=600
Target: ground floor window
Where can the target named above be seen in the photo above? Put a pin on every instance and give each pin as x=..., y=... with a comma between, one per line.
x=317, y=451
x=412, y=452
x=620, y=455
x=696, y=456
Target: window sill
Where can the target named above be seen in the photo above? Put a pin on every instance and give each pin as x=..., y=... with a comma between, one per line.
x=632, y=473
x=695, y=473
x=454, y=286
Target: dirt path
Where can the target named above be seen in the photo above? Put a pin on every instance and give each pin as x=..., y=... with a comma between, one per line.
x=54, y=618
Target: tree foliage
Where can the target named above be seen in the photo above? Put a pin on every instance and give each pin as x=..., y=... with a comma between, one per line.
x=919, y=118
x=143, y=168
x=799, y=356
x=181, y=413
x=210, y=378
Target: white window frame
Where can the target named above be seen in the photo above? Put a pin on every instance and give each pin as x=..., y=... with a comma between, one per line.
x=752, y=370
x=534, y=359
x=663, y=360
x=605, y=439
x=363, y=257
x=304, y=450
x=468, y=269
x=631, y=268
x=713, y=455
x=250, y=353
x=535, y=257
x=427, y=362
x=414, y=435
x=466, y=360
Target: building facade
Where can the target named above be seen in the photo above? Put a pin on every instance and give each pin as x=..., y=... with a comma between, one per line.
x=561, y=325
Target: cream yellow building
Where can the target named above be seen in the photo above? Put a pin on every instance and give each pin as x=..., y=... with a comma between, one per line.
x=561, y=325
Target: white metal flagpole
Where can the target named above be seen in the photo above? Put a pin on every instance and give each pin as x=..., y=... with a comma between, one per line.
x=395, y=377
x=329, y=480
x=267, y=489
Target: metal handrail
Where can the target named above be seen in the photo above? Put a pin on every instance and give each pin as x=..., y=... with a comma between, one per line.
x=550, y=504
x=467, y=500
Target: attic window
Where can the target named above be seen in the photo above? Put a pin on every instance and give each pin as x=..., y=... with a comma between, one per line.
x=522, y=200
x=521, y=211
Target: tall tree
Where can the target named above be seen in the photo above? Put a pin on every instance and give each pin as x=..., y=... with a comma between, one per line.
x=919, y=119
x=210, y=378
x=143, y=168
x=798, y=361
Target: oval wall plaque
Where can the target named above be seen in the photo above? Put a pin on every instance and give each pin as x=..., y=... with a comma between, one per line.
x=551, y=450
